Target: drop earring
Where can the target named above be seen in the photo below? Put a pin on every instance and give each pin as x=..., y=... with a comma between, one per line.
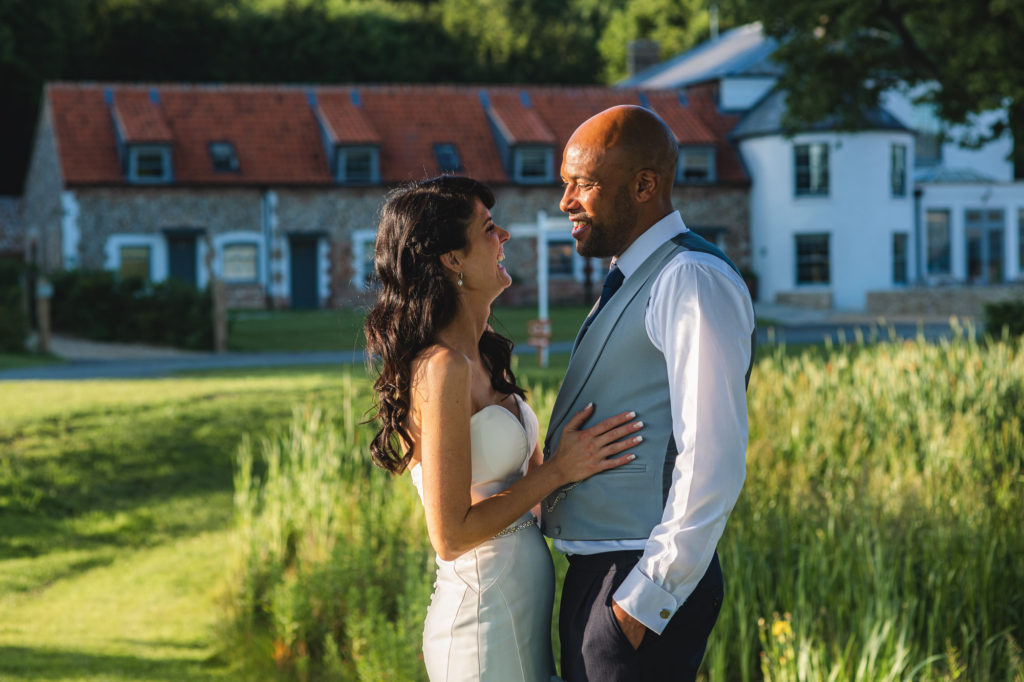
x=460, y=280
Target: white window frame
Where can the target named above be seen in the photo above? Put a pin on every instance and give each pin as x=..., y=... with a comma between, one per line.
x=363, y=241
x=341, y=160
x=706, y=154
x=222, y=241
x=947, y=272
x=137, y=150
x=796, y=261
x=518, y=164
x=157, y=245
x=823, y=170
x=898, y=170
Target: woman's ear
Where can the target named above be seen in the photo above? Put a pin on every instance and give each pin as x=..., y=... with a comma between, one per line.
x=451, y=261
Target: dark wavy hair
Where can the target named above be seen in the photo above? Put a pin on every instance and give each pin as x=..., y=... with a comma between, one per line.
x=418, y=224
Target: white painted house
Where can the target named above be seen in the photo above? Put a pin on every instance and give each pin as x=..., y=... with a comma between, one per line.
x=846, y=220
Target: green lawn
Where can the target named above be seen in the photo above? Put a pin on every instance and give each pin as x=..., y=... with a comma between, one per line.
x=115, y=505
x=20, y=360
x=343, y=329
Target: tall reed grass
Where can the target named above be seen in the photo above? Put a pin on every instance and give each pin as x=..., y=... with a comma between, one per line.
x=878, y=536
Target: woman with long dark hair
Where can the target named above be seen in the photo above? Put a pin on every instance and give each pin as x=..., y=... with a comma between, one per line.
x=450, y=411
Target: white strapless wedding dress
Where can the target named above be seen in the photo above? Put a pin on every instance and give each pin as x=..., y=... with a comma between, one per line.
x=490, y=615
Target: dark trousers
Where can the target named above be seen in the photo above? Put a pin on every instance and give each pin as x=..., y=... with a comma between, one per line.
x=593, y=646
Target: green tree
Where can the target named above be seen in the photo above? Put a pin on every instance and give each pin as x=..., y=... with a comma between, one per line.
x=841, y=55
x=677, y=25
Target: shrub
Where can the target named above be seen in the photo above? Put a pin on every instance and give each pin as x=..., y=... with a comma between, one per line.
x=13, y=317
x=333, y=569
x=1005, y=315
x=100, y=305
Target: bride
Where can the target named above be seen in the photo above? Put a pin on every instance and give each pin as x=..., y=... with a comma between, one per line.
x=450, y=411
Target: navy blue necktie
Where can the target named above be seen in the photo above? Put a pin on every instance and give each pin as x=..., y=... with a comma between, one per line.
x=612, y=282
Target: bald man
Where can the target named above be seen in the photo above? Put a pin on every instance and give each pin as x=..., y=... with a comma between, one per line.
x=670, y=338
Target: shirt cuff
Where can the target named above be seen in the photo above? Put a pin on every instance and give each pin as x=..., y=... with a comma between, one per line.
x=645, y=600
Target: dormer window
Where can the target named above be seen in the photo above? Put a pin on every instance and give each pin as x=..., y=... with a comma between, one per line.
x=357, y=165
x=447, y=158
x=223, y=157
x=696, y=165
x=149, y=163
x=533, y=165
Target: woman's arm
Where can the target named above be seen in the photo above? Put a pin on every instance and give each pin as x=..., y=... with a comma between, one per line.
x=440, y=396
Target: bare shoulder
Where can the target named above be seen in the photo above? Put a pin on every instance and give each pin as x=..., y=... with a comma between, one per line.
x=439, y=369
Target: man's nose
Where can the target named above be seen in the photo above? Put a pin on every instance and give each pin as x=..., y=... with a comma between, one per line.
x=568, y=200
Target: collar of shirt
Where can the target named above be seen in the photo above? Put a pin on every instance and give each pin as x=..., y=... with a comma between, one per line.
x=648, y=242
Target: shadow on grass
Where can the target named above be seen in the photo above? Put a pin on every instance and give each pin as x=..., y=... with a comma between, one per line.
x=46, y=663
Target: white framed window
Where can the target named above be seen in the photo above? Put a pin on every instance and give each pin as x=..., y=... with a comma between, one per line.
x=239, y=257
x=533, y=164
x=149, y=163
x=135, y=262
x=810, y=162
x=363, y=244
x=813, y=259
x=696, y=165
x=900, y=250
x=241, y=263
x=137, y=255
x=898, y=170
x=357, y=165
x=939, y=242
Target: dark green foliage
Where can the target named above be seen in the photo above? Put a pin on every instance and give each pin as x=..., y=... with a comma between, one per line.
x=13, y=317
x=99, y=305
x=841, y=55
x=1005, y=315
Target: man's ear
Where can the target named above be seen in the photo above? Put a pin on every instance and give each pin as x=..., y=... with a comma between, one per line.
x=646, y=184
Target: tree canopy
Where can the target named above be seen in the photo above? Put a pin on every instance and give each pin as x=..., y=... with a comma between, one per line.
x=961, y=57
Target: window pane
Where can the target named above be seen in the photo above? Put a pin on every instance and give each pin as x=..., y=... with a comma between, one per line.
x=899, y=170
x=241, y=263
x=812, y=259
x=899, y=258
x=984, y=236
x=358, y=165
x=560, y=258
x=695, y=165
x=533, y=163
x=1020, y=240
x=222, y=154
x=937, y=227
x=135, y=262
x=811, y=165
x=149, y=165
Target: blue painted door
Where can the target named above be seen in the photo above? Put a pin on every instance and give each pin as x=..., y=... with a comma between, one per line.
x=304, y=279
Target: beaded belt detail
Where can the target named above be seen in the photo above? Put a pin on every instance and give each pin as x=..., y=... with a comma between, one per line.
x=518, y=527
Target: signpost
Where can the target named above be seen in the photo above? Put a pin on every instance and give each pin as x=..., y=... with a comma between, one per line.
x=540, y=329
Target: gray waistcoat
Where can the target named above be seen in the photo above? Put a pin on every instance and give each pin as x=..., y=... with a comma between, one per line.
x=617, y=367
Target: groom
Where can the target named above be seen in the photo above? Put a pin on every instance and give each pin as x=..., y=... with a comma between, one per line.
x=671, y=338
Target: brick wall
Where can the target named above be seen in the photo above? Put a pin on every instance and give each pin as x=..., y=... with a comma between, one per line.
x=965, y=300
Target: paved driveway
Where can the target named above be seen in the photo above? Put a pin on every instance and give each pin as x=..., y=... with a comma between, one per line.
x=94, y=360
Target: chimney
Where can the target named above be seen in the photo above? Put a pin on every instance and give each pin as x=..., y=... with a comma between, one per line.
x=641, y=54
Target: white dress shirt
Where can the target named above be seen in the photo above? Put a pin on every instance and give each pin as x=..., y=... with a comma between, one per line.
x=700, y=316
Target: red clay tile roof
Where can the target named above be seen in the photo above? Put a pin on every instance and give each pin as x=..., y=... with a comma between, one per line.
x=139, y=118
x=517, y=119
x=276, y=134
x=344, y=122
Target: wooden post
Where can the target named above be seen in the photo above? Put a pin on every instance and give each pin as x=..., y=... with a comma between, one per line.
x=217, y=293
